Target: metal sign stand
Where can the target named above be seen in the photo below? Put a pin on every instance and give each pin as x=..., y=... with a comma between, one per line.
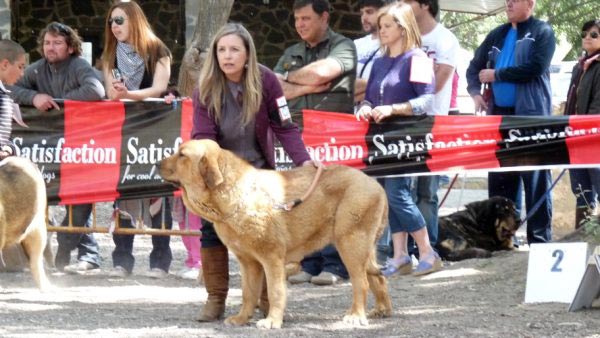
x=589, y=288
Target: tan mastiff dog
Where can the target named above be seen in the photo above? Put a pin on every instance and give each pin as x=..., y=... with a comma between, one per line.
x=23, y=212
x=346, y=208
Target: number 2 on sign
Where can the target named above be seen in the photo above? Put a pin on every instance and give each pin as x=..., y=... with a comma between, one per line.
x=559, y=254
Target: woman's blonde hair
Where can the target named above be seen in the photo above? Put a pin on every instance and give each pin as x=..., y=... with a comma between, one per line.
x=143, y=40
x=213, y=83
x=405, y=18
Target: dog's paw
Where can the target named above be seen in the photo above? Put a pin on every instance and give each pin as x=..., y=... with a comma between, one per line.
x=236, y=320
x=355, y=320
x=379, y=313
x=48, y=288
x=268, y=323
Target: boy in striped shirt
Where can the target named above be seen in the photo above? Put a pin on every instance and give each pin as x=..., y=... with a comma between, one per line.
x=12, y=66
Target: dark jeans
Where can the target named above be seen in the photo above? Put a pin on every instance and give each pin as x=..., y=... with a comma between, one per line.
x=161, y=255
x=327, y=259
x=209, y=238
x=86, y=245
x=536, y=183
x=585, y=184
x=384, y=243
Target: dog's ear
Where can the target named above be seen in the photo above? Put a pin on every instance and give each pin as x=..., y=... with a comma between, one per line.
x=210, y=172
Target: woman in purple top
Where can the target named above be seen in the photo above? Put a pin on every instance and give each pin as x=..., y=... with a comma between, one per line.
x=239, y=105
x=401, y=83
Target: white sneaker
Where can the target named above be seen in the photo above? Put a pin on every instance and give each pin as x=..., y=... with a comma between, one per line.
x=189, y=273
x=326, y=278
x=81, y=268
x=118, y=271
x=300, y=277
x=156, y=273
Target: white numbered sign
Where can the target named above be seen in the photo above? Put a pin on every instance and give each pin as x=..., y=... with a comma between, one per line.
x=554, y=271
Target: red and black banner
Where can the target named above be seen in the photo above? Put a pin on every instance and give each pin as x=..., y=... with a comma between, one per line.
x=102, y=151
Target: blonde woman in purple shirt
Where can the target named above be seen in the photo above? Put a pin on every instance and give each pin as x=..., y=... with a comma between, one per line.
x=401, y=83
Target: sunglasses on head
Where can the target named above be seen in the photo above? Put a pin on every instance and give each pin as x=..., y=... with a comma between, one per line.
x=59, y=27
x=593, y=35
x=119, y=20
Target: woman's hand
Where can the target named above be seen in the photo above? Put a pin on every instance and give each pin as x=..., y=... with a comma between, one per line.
x=364, y=113
x=381, y=112
x=119, y=91
x=169, y=98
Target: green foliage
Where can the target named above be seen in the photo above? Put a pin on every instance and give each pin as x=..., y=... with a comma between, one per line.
x=592, y=228
x=565, y=16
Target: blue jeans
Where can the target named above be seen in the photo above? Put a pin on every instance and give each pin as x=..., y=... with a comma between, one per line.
x=86, y=245
x=326, y=259
x=585, y=184
x=160, y=256
x=404, y=214
x=425, y=195
x=536, y=183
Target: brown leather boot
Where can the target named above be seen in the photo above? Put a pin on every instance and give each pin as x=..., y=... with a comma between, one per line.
x=215, y=269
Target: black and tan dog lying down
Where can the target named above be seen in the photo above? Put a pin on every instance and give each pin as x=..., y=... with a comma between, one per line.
x=479, y=229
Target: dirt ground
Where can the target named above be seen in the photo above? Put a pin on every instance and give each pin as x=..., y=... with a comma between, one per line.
x=472, y=298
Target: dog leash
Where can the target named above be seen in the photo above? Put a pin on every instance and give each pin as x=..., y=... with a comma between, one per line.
x=294, y=203
x=543, y=198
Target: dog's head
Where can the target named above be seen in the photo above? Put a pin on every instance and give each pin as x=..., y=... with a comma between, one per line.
x=506, y=218
x=195, y=165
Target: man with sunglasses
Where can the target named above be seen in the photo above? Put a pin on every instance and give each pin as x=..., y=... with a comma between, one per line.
x=63, y=74
x=515, y=59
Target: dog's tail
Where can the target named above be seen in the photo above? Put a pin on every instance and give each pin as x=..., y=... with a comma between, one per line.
x=372, y=266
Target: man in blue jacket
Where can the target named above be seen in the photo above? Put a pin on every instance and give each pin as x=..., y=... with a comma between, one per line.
x=514, y=61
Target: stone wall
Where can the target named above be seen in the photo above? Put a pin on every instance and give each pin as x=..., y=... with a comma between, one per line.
x=272, y=24
x=4, y=19
x=29, y=17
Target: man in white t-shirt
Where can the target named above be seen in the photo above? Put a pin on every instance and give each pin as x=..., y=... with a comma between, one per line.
x=442, y=46
x=367, y=47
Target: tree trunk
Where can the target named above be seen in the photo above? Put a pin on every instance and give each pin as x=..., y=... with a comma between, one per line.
x=213, y=14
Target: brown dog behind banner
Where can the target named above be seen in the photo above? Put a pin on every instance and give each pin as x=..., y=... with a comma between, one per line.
x=346, y=208
x=23, y=212
x=479, y=229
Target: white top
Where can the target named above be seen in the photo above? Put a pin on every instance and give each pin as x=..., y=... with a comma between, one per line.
x=6, y=113
x=365, y=47
x=442, y=46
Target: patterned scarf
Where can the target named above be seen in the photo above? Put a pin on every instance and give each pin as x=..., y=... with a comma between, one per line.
x=131, y=65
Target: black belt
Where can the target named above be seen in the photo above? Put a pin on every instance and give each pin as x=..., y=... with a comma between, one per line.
x=503, y=110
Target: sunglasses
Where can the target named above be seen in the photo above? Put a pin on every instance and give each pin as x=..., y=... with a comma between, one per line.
x=593, y=35
x=119, y=20
x=59, y=27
